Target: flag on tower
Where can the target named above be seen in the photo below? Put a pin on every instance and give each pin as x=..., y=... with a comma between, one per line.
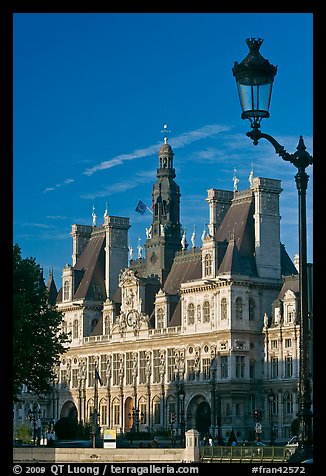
x=141, y=207
x=97, y=376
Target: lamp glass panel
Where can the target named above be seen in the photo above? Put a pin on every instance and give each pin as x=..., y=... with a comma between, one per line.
x=255, y=99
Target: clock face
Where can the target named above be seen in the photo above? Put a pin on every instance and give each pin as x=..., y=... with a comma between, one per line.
x=130, y=318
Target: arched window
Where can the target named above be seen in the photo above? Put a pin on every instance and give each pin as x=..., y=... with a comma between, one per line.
x=66, y=288
x=224, y=309
x=191, y=313
x=208, y=265
x=206, y=312
x=238, y=308
x=75, y=329
x=160, y=318
x=64, y=327
x=107, y=325
x=93, y=324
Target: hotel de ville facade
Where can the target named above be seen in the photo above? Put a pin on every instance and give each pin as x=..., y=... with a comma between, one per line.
x=198, y=337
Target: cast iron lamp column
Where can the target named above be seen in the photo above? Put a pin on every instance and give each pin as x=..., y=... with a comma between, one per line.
x=254, y=77
x=271, y=427
x=34, y=415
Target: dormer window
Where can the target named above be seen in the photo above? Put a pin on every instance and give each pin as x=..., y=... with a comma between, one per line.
x=66, y=290
x=160, y=318
x=208, y=265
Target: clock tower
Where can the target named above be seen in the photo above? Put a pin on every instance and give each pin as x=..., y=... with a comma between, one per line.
x=164, y=235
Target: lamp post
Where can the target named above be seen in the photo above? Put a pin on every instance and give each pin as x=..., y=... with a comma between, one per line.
x=34, y=414
x=182, y=412
x=254, y=77
x=270, y=403
x=136, y=418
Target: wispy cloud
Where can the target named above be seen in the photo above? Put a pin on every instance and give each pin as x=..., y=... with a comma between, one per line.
x=118, y=187
x=58, y=185
x=177, y=142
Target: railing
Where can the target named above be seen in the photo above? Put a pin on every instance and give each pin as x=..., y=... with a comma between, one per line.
x=243, y=454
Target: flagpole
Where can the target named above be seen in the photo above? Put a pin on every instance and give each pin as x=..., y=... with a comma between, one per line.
x=149, y=210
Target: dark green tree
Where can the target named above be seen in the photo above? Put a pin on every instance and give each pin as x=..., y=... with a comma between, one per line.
x=37, y=339
x=66, y=428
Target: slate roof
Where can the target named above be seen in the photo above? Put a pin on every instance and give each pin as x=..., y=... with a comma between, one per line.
x=89, y=271
x=186, y=267
x=52, y=289
x=91, y=262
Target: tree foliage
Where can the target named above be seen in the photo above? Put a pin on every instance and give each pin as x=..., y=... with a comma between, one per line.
x=66, y=428
x=37, y=340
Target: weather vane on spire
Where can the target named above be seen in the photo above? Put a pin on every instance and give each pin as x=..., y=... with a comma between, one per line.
x=165, y=130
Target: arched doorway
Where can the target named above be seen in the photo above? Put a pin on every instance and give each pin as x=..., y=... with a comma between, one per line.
x=69, y=410
x=203, y=417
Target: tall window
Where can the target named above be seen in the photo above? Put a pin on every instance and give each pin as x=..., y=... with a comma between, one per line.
x=224, y=366
x=66, y=288
x=156, y=411
x=74, y=379
x=290, y=314
x=288, y=366
x=170, y=364
x=288, y=402
x=238, y=308
x=142, y=366
x=191, y=313
x=64, y=327
x=239, y=366
x=224, y=309
x=206, y=312
x=103, y=411
x=106, y=325
x=116, y=413
x=208, y=265
x=156, y=366
x=143, y=411
x=274, y=367
x=191, y=369
x=206, y=369
x=160, y=318
x=115, y=369
x=128, y=368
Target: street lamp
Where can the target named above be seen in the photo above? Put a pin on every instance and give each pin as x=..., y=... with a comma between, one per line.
x=136, y=418
x=254, y=77
x=34, y=414
x=271, y=429
x=182, y=412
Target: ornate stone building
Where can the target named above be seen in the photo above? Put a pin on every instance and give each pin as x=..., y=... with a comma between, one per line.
x=205, y=335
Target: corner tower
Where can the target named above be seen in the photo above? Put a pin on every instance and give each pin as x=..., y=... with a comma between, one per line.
x=164, y=236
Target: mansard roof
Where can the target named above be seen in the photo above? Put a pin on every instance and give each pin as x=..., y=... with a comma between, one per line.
x=237, y=227
x=289, y=283
x=186, y=267
x=91, y=263
x=231, y=262
x=287, y=265
x=89, y=271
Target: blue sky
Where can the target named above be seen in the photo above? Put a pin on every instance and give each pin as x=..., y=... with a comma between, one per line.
x=93, y=91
